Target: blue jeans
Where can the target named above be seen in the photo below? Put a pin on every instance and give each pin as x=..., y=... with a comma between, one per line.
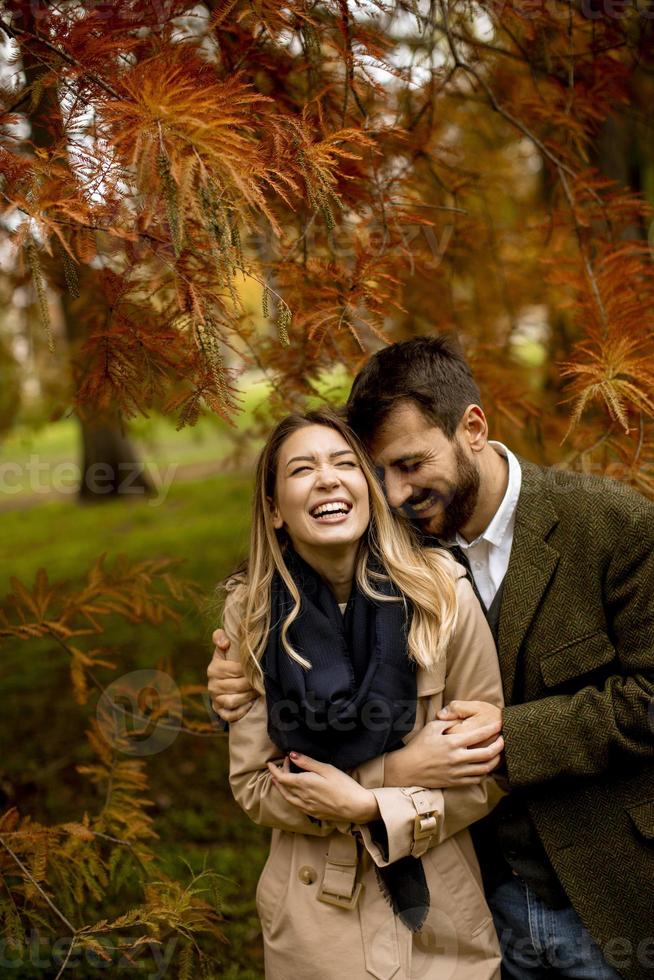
x=538, y=941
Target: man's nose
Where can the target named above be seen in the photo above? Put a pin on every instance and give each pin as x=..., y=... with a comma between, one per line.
x=397, y=489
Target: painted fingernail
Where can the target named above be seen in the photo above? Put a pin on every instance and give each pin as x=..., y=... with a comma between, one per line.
x=294, y=755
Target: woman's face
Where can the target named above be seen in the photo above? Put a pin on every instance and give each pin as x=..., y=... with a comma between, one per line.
x=321, y=493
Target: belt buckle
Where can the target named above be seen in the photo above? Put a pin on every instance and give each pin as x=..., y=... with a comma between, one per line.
x=341, y=901
x=424, y=826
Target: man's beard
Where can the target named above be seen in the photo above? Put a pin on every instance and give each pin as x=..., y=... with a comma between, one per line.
x=459, y=504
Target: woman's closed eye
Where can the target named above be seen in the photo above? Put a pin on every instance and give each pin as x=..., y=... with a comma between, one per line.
x=350, y=464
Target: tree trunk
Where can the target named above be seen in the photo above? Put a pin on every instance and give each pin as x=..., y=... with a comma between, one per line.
x=617, y=154
x=107, y=455
x=111, y=468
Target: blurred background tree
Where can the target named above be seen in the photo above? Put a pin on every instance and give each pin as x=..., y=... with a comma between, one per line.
x=205, y=201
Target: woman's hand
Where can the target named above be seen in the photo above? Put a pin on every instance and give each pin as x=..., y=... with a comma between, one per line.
x=439, y=758
x=323, y=791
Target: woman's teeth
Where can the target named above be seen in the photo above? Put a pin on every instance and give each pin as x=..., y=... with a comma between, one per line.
x=325, y=511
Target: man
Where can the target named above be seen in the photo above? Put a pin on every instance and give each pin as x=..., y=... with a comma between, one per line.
x=564, y=567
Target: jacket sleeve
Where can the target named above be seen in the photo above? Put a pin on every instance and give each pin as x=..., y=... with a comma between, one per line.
x=249, y=751
x=585, y=733
x=415, y=818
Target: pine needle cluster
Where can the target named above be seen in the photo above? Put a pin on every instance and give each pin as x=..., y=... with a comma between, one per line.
x=63, y=876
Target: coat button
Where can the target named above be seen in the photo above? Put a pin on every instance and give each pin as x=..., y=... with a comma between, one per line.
x=307, y=875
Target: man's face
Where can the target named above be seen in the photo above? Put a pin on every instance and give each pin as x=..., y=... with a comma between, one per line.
x=430, y=479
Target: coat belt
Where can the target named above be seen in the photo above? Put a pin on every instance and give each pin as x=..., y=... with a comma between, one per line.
x=378, y=926
x=339, y=885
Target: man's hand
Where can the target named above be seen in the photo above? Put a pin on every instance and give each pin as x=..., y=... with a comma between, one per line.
x=231, y=694
x=323, y=791
x=439, y=760
x=471, y=715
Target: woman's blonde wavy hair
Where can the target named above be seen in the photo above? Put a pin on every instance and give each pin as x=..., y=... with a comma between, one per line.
x=424, y=576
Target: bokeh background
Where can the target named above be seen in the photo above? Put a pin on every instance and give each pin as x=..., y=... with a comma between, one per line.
x=211, y=213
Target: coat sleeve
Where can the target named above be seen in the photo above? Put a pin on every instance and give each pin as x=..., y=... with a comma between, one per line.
x=249, y=751
x=585, y=733
x=415, y=818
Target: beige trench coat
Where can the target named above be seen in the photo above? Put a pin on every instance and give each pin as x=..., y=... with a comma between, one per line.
x=322, y=913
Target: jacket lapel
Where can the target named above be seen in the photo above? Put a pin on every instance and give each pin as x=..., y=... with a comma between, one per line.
x=531, y=567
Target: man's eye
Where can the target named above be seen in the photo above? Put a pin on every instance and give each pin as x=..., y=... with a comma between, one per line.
x=410, y=467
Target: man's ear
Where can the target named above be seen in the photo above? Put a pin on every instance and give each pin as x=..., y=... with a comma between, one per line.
x=474, y=428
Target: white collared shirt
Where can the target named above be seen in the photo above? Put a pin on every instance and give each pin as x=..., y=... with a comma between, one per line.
x=489, y=553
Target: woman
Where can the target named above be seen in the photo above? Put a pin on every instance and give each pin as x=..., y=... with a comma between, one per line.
x=357, y=638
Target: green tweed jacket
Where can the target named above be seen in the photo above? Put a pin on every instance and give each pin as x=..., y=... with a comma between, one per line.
x=576, y=647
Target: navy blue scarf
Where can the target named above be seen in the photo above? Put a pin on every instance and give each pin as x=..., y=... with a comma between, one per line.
x=356, y=701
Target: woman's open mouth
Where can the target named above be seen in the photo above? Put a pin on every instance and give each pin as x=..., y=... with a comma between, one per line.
x=331, y=512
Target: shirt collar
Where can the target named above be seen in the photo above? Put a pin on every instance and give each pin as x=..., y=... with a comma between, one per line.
x=505, y=513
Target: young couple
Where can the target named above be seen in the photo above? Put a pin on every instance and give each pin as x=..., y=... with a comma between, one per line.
x=365, y=696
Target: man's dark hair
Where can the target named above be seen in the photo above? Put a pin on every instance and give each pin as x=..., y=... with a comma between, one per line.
x=431, y=372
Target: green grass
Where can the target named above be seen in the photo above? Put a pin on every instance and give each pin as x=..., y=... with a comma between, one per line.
x=205, y=523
